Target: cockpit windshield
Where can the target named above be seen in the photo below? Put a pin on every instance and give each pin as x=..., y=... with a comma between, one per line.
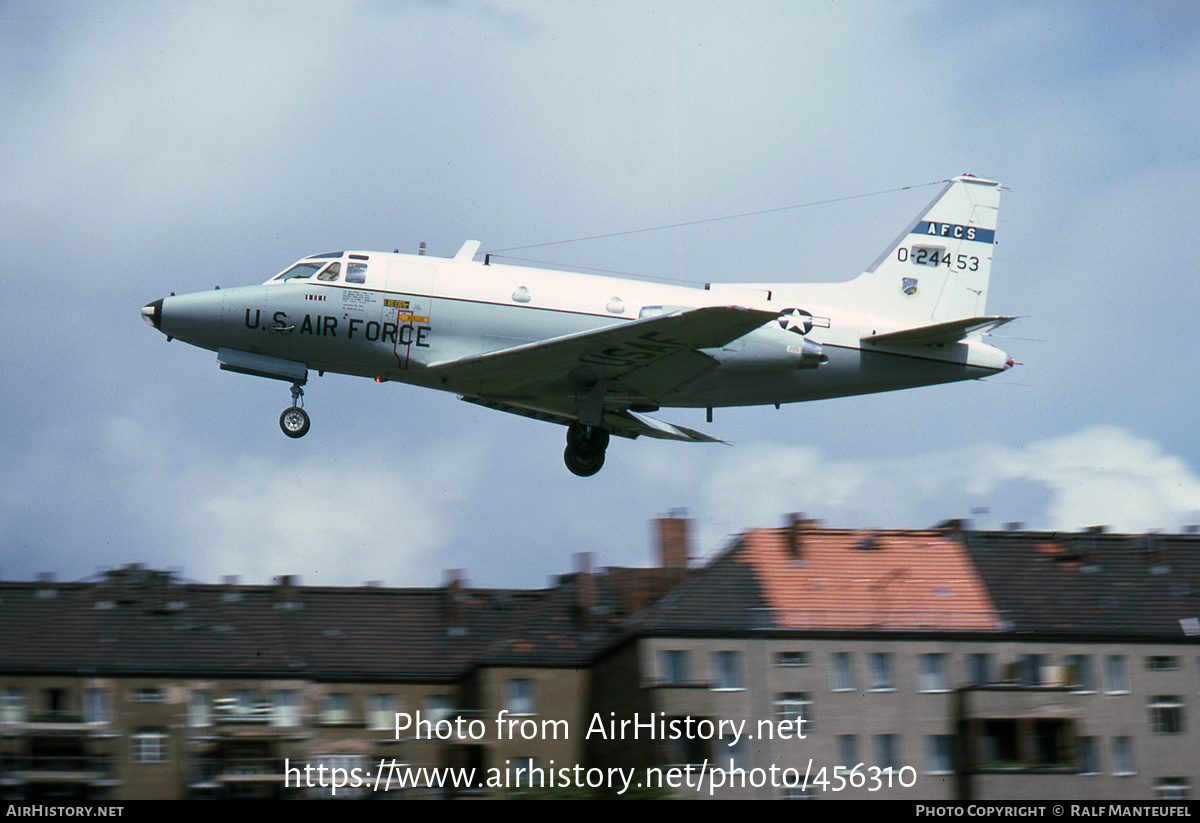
x=304, y=270
x=327, y=268
x=301, y=271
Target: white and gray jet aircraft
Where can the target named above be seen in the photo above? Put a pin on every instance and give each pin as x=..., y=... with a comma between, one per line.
x=599, y=354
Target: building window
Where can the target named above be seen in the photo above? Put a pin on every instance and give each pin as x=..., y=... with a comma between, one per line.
x=149, y=695
x=285, y=708
x=200, y=708
x=1162, y=663
x=887, y=750
x=1172, y=788
x=1116, y=674
x=520, y=696
x=793, y=706
x=381, y=711
x=1166, y=714
x=941, y=753
x=880, y=672
x=1032, y=673
x=520, y=771
x=841, y=676
x=13, y=705
x=1052, y=742
x=1087, y=754
x=998, y=744
x=1007, y=743
x=686, y=749
x=438, y=707
x=336, y=709
x=799, y=792
x=150, y=746
x=727, y=670
x=1123, y=755
x=675, y=666
x=1080, y=673
x=97, y=706
x=731, y=751
x=347, y=764
x=934, y=677
x=791, y=659
x=979, y=669
x=238, y=707
x=847, y=746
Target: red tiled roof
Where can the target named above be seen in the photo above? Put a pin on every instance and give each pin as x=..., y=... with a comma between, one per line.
x=845, y=579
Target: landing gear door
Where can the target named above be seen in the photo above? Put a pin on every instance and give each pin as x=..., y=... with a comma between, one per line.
x=408, y=306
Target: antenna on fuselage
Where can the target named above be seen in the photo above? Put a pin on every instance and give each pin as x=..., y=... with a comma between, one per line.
x=421, y=249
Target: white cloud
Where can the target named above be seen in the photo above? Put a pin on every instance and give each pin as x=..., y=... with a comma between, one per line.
x=1098, y=475
x=137, y=491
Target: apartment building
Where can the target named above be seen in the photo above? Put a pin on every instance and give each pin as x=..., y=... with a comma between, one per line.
x=942, y=664
x=936, y=664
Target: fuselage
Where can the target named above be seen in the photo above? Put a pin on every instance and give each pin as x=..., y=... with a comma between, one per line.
x=598, y=354
x=391, y=316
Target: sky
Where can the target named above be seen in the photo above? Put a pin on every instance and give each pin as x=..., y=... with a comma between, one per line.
x=149, y=148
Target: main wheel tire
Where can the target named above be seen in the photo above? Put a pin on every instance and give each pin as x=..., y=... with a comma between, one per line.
x=587, y=439
x=583, y=464
x=294, y=422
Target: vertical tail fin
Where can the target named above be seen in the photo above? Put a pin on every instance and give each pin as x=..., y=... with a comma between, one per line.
x=938, y=268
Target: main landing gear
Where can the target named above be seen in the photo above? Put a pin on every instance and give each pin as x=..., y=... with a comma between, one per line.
x=585, y=449
x=294, y=421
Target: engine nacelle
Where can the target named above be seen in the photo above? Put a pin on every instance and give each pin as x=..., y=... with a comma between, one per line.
x=770, y=348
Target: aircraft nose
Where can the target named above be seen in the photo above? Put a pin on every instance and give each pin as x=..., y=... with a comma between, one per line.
x=152, y=313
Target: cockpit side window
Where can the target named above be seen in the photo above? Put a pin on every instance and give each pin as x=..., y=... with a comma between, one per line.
x=330, y=274
x=356, y=273
x=300, y=271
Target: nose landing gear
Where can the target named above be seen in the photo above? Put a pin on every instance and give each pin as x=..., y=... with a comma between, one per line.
x=294, y=421
x=584, y=455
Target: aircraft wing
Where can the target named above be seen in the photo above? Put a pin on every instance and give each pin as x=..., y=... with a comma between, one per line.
x=651, y=357
x=623, y=423
x=951, y=332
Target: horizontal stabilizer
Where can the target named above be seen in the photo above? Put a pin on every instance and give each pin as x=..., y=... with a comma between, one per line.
x=951, y=332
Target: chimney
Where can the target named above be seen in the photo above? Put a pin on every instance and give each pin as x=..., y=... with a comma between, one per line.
x=45, y=585
x=674, y=540
x=154, y=591
x=452, y=602
x=794, y=527
x=956, y=526
x=585, y=590
x=285, y=596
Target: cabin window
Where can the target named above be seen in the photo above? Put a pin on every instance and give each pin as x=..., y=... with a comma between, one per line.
x=356, y=273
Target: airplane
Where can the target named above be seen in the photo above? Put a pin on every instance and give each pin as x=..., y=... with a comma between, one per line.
x=600, y=354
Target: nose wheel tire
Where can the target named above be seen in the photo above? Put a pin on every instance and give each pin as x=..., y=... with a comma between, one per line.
x=294, y=422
